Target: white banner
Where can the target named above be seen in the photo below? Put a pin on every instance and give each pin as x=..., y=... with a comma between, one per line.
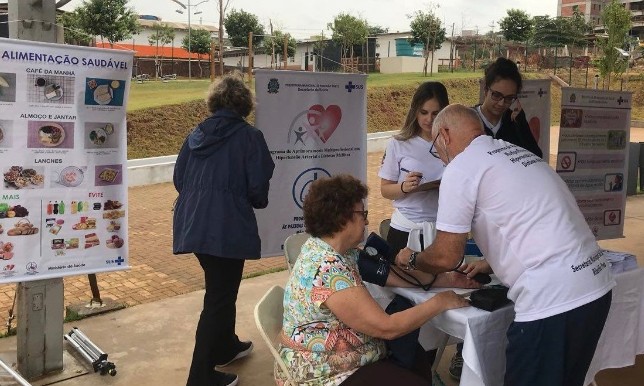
x=63, y=157
x=535, y=101
x=593, y=154
x=315, y=126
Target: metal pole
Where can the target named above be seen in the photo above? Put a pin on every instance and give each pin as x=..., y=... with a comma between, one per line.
x=40, y=303
x=285, y=51
x=93, y=285
x=15, y=375
x=250, y=56
x=525, y=62
x=570, y=71
x=189, y=47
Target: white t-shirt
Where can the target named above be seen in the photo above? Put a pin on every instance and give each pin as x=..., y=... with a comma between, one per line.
x=494, y=128
x=413, y=155
x=528, y=226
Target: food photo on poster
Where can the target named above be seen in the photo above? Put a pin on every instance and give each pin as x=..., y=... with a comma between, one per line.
x=50, y=89
x=104, y=92
x=7, y=87
x=100, y=135
x=48, y=134
x=109, y=175
x=20, y=177
x=69, y=177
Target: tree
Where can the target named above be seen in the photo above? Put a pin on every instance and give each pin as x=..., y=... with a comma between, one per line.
x=580, y=27
x=426, y=29
x=348, y=31
x=109, y=19
x=73, y=30
x=162, y=34
x=199, y=44
x=617, y=22
x=516, y=26
x=238, y=24
x=376, y=30
x=276, y=42
x=319, y=45
x=223, y=6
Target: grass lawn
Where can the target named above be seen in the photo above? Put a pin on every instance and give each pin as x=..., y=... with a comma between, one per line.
x=161, y=114
x=154, y=93
x=388, y=80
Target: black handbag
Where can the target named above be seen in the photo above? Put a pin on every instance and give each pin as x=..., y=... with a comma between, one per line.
x=490, y=298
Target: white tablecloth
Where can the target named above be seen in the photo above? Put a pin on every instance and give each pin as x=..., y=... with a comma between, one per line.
x=484, y=333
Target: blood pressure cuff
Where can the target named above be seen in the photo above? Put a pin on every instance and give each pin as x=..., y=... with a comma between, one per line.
x=373, y=270
x=490, y=298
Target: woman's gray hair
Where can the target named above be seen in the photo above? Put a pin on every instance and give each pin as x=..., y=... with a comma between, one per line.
x=453, y=115
x=230, y=93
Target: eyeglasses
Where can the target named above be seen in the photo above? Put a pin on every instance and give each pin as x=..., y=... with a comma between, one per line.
x=432, y=150
x=497, y=97
x=365, y=213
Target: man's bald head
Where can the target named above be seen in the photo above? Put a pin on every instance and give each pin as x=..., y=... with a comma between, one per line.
x=458, y=126
x=457, y=117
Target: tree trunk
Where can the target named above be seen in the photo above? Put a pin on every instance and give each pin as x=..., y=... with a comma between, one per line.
x=431, y=69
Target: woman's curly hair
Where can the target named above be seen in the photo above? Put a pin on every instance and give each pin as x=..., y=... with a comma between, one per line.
x=330, y=203
x=230, y=93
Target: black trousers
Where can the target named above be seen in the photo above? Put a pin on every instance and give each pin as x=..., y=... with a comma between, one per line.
x=555, y=351
x=215, y=339
x=385, y=372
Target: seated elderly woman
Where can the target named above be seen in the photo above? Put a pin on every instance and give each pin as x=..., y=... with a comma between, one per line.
x=333, y=330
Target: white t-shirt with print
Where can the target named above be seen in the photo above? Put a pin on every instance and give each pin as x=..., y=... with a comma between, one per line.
x=528, y=226
x=413, y=155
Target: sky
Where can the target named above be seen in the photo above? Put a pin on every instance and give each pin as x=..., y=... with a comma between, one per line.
x=302, y=18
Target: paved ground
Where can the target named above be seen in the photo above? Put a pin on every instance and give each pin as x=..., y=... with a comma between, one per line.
x=157, y=274
x=152, y=343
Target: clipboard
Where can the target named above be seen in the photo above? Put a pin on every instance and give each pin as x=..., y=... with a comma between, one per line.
x=431, y=185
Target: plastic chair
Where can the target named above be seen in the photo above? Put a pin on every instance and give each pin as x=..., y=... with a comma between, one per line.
x=383, y=229
x=292, y=246
x=269, y=312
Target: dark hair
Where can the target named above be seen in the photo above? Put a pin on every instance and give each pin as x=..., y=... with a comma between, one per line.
x=330, y=202
x=503, y=68
x=230, y=93
x=424, y=92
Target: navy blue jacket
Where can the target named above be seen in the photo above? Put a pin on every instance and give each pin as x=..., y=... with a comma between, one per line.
x=222, y=172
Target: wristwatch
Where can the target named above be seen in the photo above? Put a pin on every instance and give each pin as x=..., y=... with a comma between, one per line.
x=411, y=264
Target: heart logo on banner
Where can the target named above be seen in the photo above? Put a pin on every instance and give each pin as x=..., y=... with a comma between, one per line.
x=325, y=121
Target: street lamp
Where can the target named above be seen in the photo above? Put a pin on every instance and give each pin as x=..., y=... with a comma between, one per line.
x=187, y=8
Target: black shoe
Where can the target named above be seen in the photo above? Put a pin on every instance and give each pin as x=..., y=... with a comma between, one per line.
x=227, y=379
x=456, y=366
x=243, y=350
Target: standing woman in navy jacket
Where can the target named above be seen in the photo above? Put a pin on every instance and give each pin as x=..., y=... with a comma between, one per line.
x=222, y=174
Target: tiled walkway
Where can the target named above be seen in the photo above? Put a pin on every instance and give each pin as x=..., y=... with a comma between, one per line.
x=156, y=273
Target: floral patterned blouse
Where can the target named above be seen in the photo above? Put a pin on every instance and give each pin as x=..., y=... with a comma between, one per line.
x=316, y=346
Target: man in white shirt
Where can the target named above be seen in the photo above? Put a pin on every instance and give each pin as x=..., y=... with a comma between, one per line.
x=535, y=239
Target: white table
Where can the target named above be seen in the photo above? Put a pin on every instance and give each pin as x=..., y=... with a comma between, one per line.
x=484, y=333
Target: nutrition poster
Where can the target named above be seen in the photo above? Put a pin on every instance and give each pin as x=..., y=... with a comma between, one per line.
x=63, y=198
x=593, y=154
